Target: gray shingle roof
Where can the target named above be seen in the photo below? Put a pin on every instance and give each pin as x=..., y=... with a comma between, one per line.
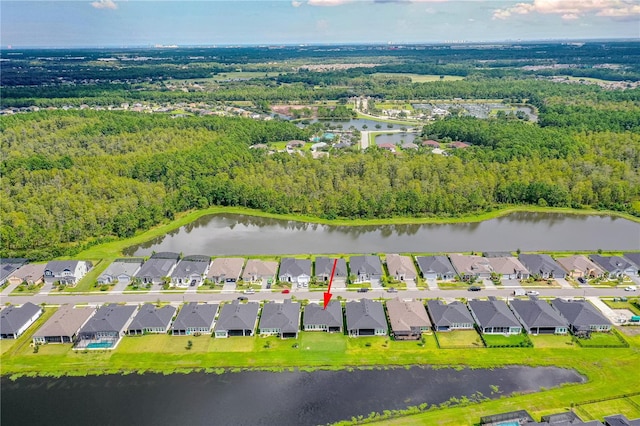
x=193, y=315
x=325, y=264
x=611, y=263
x=123, y=267
x=493, y=313
x=237, y=316
x=541, y=264
x=295, y=267
x=109, y=318
x=284, y=316
x=59, y=266
x=66, y=321
x=580, y=313
x=190, y=266
x=7, y=266
x=13, y=318
x=537, y=313
x=150, y=316
x=633, y=258
x=441, y=265
x=446, y=315
x=365, y=314
x=368, y=264
x=314, y=314
x=158, y=266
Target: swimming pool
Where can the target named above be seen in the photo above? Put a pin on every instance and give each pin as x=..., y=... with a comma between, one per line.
x=99, y=345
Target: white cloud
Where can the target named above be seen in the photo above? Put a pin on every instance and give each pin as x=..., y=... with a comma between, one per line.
x=104, y=4
x=296, y=3
x=572, y=9
x=327, y=2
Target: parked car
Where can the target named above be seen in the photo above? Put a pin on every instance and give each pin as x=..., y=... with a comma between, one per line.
x=363, y=290
x=286, y=291
x=533, y=293
x=474, y=288
x=193, y=283
x=630, y=288
x=581, y=280
x=519, y=292
x=392, y=290
x=249, y=291
x=243, y=299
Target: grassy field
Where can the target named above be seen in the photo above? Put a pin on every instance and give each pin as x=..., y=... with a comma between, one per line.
x=602, y=339
x=598, y=410
x=622, y=305
x=551, y=341
x=516, y=340
x=460, y=339
x=421, y=78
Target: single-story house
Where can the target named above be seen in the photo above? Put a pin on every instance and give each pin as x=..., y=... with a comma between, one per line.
x=237, y=319
x=578, y=266
x=194, y=318
x=634, y=258
x=620, y=420
x=226, y=269
x=121, y=270
x=454, y=316
x=257, y=270
x=297, y=271
x=190, y=271
x=431, y=143
x=280, y=319
x=409, y=145
x=366, y=268
x=152, y=319
x=387, y=146
x=614, y=266
x=494, y=317
x=542, y=266
x=509, y=267
x=468, y=266
x=401, y=268
x=459, y=145
x=489, y=254
x=31, y=273
x=408, y=319
x=316, y=318
x=64, y=325
x=106, y=327
x=538, y=317
x=159, y=266
x=8, y=266
x=68, y=272
x=436, y=267
x=15, y=320
x=366, y=318
x=581, y=315
x=324, y=265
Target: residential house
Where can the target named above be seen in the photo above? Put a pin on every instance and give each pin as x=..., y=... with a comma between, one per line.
x=408, y=319
x=387, y=146
x=401, y=268
x=538, y=317
x=579, y=266
x=15, y=320
x=509, y=267
x=581, y=316
x=121, y=271
x=280, y=319
x=31, y=273
x=366, y=269
x=614, y=266
x=237, y=319
x=316, y=318
x=459, y=145
x=409, y=145
x=542, y=266
x=257, y=270
x=152, y=319
x=436, y=267
x=296, y=271
x=431, y=143
x=67, y=272
x=366, y=318
x=158, y=267
x=190, y=271
x=194, y=318
x=494, y=317
x=226, y=269
x=634, y=258
x=106, y=327
x=8, y=266
x=620, y=420
x=454, y=316
x=63, y=326
x=324, y=266
x=471, y=266
x=489, y=254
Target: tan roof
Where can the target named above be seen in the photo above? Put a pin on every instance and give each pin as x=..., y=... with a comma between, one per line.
x=579, y=263
x=397, y=264
x=260, y=268
x=65, y=322
x=34, y=271
x=507, y=265
x=404, y=315
x=470, y=264
x=226, y=266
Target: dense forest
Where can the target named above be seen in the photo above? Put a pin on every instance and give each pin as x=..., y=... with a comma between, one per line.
x=77, y=177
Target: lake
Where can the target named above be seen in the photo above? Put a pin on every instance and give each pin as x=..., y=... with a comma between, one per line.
x=226, y=234
x=255, y=397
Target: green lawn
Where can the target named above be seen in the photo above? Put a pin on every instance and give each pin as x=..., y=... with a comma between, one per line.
x=86, y=283
x=552, y=341
x=460, y=339
x=517, y=340
x=602, y=339
x=622, y=305
x=421, y=78
x=457, y=285
x=598, y=410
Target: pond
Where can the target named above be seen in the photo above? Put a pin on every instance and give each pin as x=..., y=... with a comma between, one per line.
x=226, y=234
x=256, y=397
x=396, y=138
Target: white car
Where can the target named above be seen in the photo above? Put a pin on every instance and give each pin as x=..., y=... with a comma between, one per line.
x=250, y=291
x=630, y=288
x=533, y=293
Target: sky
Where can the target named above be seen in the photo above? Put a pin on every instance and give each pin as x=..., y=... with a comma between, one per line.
x=130, y=23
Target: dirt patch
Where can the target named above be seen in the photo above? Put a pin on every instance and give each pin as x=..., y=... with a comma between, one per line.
x=287, y=109
x=631, y=330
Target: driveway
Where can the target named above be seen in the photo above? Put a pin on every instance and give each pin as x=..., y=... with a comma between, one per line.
x=8, y=289
x=411, y=284
x=488, y=284
x=375, y=284
x=563, y=283
x=229, y=287
x=616, y=316
x=511, y=283
x=433, y=284
x=120, y=287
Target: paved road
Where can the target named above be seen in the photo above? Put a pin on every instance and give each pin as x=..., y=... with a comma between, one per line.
x=101, y=298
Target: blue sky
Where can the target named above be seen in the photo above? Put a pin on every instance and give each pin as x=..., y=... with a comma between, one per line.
x=109, y=23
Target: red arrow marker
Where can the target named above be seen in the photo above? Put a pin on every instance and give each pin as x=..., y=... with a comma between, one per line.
x=327, y=294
